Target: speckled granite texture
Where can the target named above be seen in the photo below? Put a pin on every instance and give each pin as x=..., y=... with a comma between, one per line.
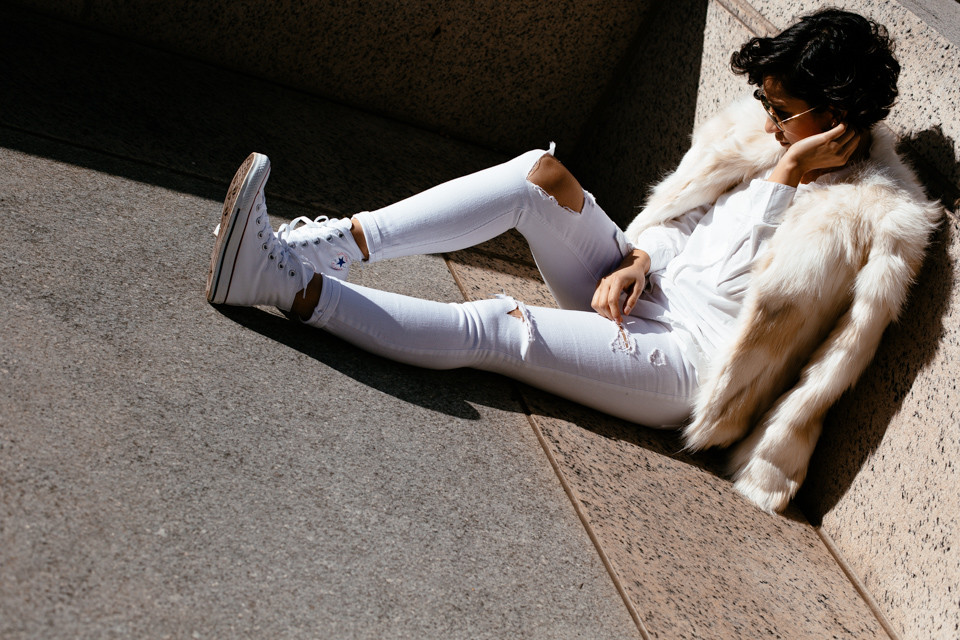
x=696, y=559
x=513, y=75
x=693, y=558
x=884, y=481
x=724, y=33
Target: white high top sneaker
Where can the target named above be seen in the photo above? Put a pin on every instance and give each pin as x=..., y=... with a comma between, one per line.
x=250, y=265
x=327, y=244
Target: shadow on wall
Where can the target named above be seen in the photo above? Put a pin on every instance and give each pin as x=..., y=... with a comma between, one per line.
x=642, y=125
x=855, y=426
x=931, y=154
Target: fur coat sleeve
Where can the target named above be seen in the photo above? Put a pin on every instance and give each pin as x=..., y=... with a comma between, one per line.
x=835, y=273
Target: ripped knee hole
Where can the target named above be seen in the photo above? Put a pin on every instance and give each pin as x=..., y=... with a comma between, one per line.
x=555, y=181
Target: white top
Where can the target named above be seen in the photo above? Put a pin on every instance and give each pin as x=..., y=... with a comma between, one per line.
x=701, y=260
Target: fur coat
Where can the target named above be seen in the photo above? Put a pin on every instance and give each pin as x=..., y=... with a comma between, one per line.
x=834, y=274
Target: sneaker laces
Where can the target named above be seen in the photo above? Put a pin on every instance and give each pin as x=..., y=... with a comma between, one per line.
x=286, y=229
x=275, y=243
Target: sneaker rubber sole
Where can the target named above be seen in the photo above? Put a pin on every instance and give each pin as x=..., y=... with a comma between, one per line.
x=237, y=207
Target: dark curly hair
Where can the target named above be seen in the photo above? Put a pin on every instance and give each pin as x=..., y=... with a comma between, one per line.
x=828, y=58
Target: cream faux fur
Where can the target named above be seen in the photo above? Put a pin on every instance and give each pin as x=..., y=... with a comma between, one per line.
x=836, y=272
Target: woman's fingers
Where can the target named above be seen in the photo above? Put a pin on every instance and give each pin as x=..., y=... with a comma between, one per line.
x=832, y=148
x=606, y=297
x=601, y=299
x=838, y=131
x=610, y=300
x=613, y=305
x=848, y=144
x=632, y=298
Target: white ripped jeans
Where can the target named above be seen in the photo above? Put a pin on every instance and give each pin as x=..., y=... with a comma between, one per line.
x=637, y=372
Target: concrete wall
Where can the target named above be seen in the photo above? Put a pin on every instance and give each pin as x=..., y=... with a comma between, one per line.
x=511, y=75
x=619, y=85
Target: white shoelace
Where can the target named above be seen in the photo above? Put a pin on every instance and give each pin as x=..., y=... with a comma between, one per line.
x=286, y=229
x=285, y=251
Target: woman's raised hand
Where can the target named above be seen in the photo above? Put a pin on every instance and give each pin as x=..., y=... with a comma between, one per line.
x=816, y=153
x=630, y=276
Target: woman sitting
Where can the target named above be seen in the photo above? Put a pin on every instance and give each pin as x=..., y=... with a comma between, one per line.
x=749, y=294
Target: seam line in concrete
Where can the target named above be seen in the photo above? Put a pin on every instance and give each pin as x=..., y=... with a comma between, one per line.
x=578, y=508
x=448, y=260
x=856, y=582
x=748, y=16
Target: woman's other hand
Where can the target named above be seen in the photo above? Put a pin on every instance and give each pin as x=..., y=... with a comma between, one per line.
x=814, y=154
x=629, y=277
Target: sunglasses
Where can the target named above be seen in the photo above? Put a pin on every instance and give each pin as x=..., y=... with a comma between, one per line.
x=772, y=113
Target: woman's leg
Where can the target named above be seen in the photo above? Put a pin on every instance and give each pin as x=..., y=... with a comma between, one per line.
x=574, y=246
x=637, y=372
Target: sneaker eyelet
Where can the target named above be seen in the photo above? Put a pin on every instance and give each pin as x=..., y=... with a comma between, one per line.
x=341, y=234
x=263, y=247
x=316, y=241
x=271, y=257
x=258, y=219
x=292, y=273
x=260, y=234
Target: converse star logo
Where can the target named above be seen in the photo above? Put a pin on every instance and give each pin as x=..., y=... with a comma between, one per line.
x=340, y=262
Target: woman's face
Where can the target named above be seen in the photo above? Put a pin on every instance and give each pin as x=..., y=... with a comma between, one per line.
x=786, y=106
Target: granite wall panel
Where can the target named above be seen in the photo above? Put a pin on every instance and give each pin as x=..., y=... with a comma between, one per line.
x=511, y=75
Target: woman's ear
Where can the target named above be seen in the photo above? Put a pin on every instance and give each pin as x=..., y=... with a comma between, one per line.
x=836, y=116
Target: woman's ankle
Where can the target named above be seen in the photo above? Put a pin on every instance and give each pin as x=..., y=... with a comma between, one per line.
x=357, y=232
x=305, y=303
